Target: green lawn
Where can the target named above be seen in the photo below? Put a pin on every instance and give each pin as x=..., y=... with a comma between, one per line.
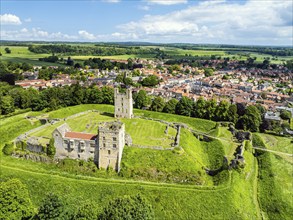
x=13, y=126
x=149, y=133
x=277, y=143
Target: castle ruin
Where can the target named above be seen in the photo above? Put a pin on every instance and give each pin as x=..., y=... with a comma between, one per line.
x=105, y=148
x=123, y=104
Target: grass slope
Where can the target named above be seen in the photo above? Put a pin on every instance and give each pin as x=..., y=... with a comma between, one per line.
x=170, y=201
x=275, y=183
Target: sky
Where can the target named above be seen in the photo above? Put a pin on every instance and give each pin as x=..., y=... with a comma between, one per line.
x=242, y=22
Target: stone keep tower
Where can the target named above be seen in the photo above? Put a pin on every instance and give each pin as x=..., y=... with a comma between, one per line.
x=111, y=139
x=123, y=104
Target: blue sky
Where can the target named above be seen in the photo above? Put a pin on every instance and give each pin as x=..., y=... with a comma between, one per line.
x=250, y=22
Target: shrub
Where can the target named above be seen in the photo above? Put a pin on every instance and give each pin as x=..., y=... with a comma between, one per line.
x=51, y=150
x=8, y=149
x=52, y=207
x=15, y=202
x=128, y=207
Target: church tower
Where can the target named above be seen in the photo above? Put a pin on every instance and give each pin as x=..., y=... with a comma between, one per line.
x=123, y=104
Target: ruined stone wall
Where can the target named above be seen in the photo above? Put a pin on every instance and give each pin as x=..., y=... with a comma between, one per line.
x=111, y=141
x=71, y=147
x=123, y=104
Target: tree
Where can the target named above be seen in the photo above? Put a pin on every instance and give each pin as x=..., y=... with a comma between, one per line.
x=128, y=207
x=199, y=109
x=108, y=95
x=240, y=109
x=141, y=100
x=170, y=106
x=222, y=111
x=285, y=115
x=52, y=207
x=184, y=106
x=51, y=150
x=232, y=112
x=208, y=72
x=150, y=81
x=251, y=120
x=87, y=211
x=6, y=105
x=15, y=202
x=158, y=104
x=69, y=62
x=8, y=149
x=7, y=50
x=210, y=109
x=26, y=66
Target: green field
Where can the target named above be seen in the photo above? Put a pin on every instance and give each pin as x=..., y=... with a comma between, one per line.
x=174, y=181
x=277, y=143
x=21, y=54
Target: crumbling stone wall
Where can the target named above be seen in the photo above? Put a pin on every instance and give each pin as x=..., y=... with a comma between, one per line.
x=111, y=141
x=123, y=104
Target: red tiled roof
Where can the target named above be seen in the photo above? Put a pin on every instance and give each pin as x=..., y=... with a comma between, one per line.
x=79, y=135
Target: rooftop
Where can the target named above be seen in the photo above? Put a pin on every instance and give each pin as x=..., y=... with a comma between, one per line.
x=79, y=135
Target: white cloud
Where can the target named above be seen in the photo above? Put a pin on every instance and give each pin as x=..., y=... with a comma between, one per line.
x=9, y=19
x=86, y=35
x=252, y=22
x=167, y=2
x=34, y=34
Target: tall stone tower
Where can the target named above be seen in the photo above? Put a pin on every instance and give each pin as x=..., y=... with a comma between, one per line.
x=123, y=104
x=111, y=141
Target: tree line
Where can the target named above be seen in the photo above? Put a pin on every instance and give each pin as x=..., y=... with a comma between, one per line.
x=244, y=117
x=15, y=203
x=67, y=49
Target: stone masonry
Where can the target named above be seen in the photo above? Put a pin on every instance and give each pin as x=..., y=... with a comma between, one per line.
x=105, y=148
x=111, y=141
x=123, y=104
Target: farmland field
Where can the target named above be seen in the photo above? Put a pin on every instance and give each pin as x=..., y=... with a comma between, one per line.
x=21, y=54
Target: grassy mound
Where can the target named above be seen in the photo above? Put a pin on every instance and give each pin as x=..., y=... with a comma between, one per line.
x=275, y=182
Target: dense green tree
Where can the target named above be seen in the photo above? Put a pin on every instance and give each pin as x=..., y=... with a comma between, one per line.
x=70, y=62
x=199, y=109
x=208, y=72
x=108, y=95
x=52, y=207
x=26, y=66
x=170, y=106
x=88, y=210
x=210, y=109
x=7, y=50
x=93, y=96
x=128, y=207
x=77, y=94
x=184, y=106
x=158, y=104
x=141, y=100
x=6, y=105
x=222, y=111
x=150, y=81
x=285, y=115
x=15, y=202
x=240, y=109
x=232, y=113
x=251, y=120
